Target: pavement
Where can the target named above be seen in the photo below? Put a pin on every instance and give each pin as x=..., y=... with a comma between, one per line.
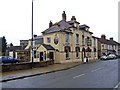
x=19, y=74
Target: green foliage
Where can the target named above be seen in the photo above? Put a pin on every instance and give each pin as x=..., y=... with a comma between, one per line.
x=3, y=44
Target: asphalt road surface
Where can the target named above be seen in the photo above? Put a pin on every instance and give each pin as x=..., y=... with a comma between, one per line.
x=100, y=74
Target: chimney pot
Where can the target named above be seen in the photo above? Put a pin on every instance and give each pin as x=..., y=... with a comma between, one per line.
x=103, y=36
x=73, y=18
x=111, y=38
x=64, y=16
x=50, y=24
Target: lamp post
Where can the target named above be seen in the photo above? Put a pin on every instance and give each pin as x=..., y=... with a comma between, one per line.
x=32, y=35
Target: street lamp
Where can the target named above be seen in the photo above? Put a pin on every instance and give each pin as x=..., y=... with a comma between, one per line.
x=32, y=35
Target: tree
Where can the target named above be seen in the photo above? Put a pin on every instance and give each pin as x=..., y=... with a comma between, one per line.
x=3, y=45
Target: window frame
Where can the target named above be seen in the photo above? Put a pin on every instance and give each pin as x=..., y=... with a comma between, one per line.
x=48, y=40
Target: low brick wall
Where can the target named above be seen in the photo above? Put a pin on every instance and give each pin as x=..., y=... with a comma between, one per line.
x=23, y=66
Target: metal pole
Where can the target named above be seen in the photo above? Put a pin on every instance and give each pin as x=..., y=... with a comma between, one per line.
x=32, y=35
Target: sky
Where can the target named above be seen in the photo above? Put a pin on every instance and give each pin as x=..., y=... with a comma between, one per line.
x=15, y=16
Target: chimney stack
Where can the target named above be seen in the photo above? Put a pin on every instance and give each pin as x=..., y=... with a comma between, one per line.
x=50, y=24
x=63, y=16
x=35, y=35
x=73, y=18
x=103, y=36
x=111, y=38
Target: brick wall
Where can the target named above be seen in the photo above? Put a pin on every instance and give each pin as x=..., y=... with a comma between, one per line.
x=23, y=66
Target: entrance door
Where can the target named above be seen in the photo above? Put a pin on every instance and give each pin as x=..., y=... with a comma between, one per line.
x=51, y=56
x=41, y=56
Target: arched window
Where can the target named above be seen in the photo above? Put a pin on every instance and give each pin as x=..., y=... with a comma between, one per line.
x=94, y=49
x=67, y=50
x=83, y=49
x=88, y=50
x=77, y=49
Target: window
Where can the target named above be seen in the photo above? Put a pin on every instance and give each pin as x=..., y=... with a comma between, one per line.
x=67, y=50
x=88, y=41
x=48, y=40
x=77, y=51
x=82, y=39
x=44, y=55
x=67, y=38
x=35, y=54
x=77, y=38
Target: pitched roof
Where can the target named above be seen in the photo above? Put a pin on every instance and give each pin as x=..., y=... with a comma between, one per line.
x=14, y=48
x=106, y=41
x=83, y=27
x=48, y=47
x=57, y=27
x=117, y=43
x=63, y=25
x=73, y=21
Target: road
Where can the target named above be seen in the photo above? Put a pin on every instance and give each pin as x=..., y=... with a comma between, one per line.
x=100, y=74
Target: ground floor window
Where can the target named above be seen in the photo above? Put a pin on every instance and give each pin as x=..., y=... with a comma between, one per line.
x=77, y=49
x=67, y=51
x=35, y=55
x=44, y=55
x=88, y=50
x=50, y=55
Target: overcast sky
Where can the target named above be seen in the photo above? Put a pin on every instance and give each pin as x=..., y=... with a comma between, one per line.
x=15, y=16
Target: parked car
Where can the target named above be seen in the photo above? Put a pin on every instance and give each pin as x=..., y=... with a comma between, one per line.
x=8, y=59
x=103, y=57
x=111, y=56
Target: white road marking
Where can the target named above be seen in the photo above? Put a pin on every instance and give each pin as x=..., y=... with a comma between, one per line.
x=97, y=69
x=78, y=76
x=117, y=85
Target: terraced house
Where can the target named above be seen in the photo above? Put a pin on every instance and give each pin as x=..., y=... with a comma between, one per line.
x=66, y=41
x=106, y=47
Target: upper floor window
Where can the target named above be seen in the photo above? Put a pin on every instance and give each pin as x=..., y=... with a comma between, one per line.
x=77, y=38
x=88, y=41
x=82, y=39
x=77, y=49
x=103, y=46
x=48, y=40
x=67, y=38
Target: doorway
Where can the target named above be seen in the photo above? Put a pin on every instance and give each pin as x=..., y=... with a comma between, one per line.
x=41, y=56
x=51, y=56
x=83, y=54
